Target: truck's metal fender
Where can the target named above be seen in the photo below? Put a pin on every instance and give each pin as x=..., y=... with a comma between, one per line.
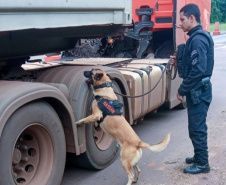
x=79, y=92
x=14, y=94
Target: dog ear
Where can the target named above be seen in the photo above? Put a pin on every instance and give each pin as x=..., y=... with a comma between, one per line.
x=98, y=76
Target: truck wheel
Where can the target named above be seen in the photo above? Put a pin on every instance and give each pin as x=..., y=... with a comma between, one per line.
x=100, y=147
x=32, y=147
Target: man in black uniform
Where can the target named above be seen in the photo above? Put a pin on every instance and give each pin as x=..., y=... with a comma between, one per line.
x=197, y=66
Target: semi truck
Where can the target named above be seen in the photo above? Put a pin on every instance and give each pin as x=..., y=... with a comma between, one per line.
x=41, y=101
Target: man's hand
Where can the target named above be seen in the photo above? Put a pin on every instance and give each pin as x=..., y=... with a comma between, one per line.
x=179, y=97
x=172, y=61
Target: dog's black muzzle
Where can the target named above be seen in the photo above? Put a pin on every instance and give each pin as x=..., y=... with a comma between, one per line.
x=88, y=74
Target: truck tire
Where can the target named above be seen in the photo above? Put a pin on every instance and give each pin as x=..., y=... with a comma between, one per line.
x=101, y=149
x=32, y=147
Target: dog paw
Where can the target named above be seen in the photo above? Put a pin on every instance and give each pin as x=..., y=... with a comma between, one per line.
x=79, y=123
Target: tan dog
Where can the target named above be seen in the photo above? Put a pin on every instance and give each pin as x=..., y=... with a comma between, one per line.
x=117, y=127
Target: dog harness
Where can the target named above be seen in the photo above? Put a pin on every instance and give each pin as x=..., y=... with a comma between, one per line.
x=108, y=107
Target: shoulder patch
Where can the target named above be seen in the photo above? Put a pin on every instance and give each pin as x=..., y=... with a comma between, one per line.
x=194, y=61
x=194, y=53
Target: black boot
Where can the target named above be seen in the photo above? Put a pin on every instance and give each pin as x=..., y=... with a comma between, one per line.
x=190, y=160
x=196, y=168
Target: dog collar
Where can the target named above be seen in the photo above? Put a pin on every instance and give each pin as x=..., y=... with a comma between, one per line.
x=106, y=84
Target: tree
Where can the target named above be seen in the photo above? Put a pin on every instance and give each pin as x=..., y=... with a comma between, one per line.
x=218, y=11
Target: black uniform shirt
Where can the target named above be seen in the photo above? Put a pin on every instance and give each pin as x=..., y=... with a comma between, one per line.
x=200, y=64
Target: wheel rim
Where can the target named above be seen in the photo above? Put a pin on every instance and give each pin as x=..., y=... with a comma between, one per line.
x=103, y=141
x=32, y=157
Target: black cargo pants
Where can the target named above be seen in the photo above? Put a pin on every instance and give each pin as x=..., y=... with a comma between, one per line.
x=197, y=125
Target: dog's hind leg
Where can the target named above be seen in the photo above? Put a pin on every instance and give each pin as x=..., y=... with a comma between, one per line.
x=129, y=157
x=126, y=159
x=136, y=169
x=128, y=169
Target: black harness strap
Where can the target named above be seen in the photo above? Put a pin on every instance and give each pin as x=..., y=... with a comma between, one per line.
x=106, y=84
x=108, y=107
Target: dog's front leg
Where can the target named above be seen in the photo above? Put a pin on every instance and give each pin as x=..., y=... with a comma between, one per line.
x=89, y=119
x=95, y=116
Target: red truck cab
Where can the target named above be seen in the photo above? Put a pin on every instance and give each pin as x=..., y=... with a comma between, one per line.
x=164, y=15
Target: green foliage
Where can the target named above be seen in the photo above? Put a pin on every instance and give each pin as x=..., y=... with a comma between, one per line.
x=222, y=27
x=218, y=11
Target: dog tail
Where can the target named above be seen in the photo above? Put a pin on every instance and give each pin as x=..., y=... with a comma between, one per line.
x=159, y=147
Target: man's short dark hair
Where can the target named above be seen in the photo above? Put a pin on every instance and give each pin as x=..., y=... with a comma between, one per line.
x=191, y=9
